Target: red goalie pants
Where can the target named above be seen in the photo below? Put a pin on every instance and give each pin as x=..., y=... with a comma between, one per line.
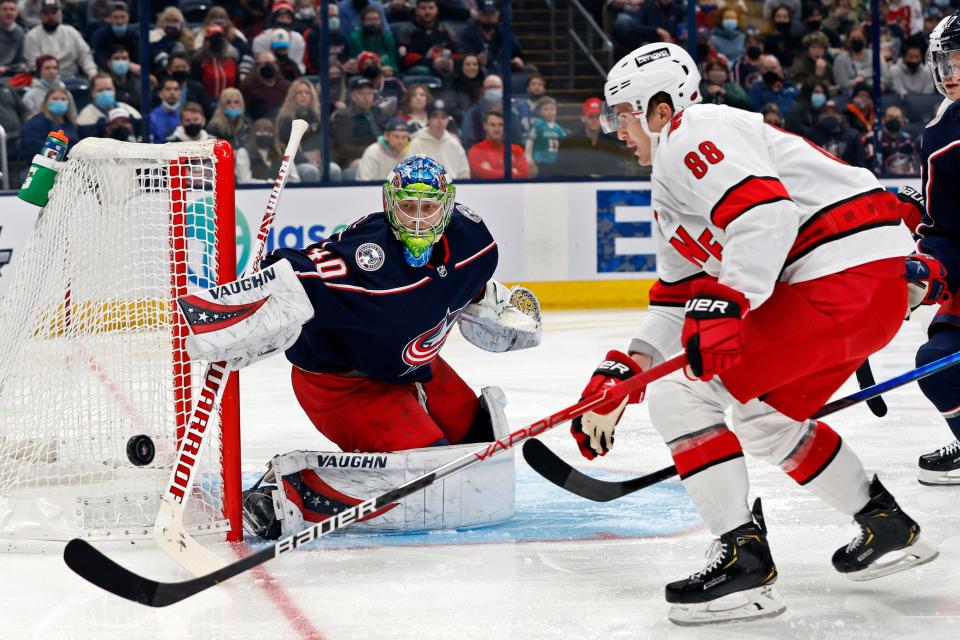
x=804, y=342
x=360, y=414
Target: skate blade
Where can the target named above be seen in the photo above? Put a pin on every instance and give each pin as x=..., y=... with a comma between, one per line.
x=913, y=556
x=742, y=606
x=938, y=478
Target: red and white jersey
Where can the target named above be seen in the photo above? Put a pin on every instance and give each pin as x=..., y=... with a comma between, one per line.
x=751, y=205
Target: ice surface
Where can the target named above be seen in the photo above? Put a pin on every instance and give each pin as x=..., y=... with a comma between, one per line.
x=565, y=567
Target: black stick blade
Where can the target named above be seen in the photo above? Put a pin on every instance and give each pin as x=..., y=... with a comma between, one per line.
x=96, y=568
x=553, y=468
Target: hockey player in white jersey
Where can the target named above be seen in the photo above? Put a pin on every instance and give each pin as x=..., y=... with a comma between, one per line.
x=780, y=270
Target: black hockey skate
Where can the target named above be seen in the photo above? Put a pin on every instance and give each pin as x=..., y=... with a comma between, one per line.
x=942, y=466
x=884, y=528
x=259, y=515
x=736, y=584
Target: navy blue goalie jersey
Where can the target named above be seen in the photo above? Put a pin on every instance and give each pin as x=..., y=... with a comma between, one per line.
x=376, y=315
x=940, y=185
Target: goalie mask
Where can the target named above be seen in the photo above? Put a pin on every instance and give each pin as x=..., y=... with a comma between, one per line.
x=943, y=55
x=418, y=201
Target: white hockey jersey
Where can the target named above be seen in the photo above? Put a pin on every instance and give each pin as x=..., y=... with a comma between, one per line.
x=751, y=205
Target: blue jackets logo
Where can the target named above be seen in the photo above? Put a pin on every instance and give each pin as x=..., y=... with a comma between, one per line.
x=425, y=347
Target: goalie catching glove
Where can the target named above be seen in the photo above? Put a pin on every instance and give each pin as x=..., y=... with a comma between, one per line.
x=593, y=431
x=503, y=319
x=248, y=319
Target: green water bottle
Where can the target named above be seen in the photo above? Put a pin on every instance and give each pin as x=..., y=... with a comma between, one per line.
x=43, y=171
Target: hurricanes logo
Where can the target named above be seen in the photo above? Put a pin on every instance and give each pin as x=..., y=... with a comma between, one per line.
x=425, y=347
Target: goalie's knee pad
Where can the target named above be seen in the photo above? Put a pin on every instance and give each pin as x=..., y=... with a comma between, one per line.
x=490, y=422
x=312, y=486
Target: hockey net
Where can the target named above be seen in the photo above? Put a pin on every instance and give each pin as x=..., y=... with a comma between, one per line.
x=92, y=352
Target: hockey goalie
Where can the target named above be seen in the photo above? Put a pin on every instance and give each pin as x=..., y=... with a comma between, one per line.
x=780, y=270
x=362, y=318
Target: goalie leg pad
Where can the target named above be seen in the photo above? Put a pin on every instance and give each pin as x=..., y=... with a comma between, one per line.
x=248, y=319
x=317, y=485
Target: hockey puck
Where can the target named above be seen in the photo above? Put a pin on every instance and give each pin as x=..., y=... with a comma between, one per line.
x=140, y=450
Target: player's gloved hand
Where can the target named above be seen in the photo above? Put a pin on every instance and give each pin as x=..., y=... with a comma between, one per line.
x=926, y=280
x=913, y=208
x=713, y=328
x=593, y=431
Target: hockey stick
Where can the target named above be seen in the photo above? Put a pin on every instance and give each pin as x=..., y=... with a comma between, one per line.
x=865, y=379
x=96, y=568
x=549, y=465
x=169, y=532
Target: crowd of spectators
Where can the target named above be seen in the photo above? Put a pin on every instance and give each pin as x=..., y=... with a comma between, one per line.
x=426, y=76
x=807, y=66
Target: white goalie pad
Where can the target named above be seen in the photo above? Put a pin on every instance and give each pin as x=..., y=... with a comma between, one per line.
x=317, y=485
x=503, y=319
x=248, y=319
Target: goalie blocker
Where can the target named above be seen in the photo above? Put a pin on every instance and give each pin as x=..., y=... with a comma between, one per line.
x=311, y=486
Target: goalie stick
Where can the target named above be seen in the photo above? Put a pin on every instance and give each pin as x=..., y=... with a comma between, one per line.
x=169, y=532
x=96, y=568
x=549, y=465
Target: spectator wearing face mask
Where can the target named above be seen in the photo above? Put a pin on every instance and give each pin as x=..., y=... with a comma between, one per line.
x=171, y=35
x=772, y=86
x=854, y=65
x=909, y=75
x=832, y=134
x=191, y=90
x=116, y=31
x=56, y=113
x=282, y=18
x=802, y=116
x=746, y=70
x=236, y=46
x=898, y=153
x=716, y=87
x=280, y=46
x=119, y=126
x=813, y=22
x=859, y=112
x=370, y=36
x=216, y=68
x=258, y=160
x=47, y=77
x=192, y=123
x=782, y=37
x=230, y=121
x=811, y=65
x=125, y=80
x=338, y=41
x=349, y=11
x=471, y=130
x=483, y=37
x=92, y=119
x=59, y=40
x=794, y=6
x=728, y=37
x=265, y=89
x=11, y=40
x=165, y=118
x=389, y=89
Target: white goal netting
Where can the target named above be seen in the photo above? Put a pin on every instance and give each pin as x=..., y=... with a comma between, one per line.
x=92, y=353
